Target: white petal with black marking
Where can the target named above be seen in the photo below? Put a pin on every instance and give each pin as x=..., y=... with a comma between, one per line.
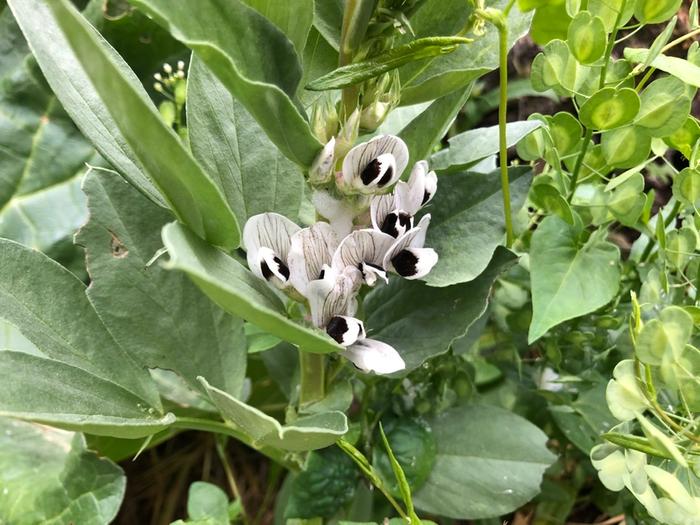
x=272, y=233
x=396, y=223
x=375, y=165
x=380, y=207
x=363, y=249
x=345, y=330
x=370, y=355
x=331, y=296
x=310, y=250
x=413, y=263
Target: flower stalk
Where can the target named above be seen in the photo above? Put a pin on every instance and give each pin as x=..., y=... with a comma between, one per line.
x=312, y=377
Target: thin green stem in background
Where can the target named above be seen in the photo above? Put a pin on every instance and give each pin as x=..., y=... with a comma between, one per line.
x=312, y=381
x=230, y=478
x=502, y=121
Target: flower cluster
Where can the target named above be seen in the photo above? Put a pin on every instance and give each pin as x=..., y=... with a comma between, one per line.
x=326, y=264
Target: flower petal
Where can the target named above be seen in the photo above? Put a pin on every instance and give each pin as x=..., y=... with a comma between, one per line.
x=376, y=164
x=322, y=168
x=345, y=330
x=370, y=355
x=271, y=231
x=397, y=223
x=333, y=295
x=362, y=247
x=414, y=263
x=311, y=249
x=380, y=207
x=338, y=212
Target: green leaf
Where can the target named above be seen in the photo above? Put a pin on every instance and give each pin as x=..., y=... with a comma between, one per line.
x=58, y=318
x=664, y=107
x=235, y=289
x=421, y=322
x=551, y=21
x=625, y=147
x=680, y=246
x=421, y=81
x=655, y=11
x=327, y=483
x=685, y=137
x=121, y=237
x=328, y=19
x=190, y=192
x=293, y=17
x=556, y=68
x=678, y=67
x=415, y=50
x=686, y=187
x=251, y=172
x=628, y=199
x=469, y=147
x=42, y=153
x=608, y=11
x=252, y=58
x=491, y=454
x=560, y=272
x=54, y=393
x=413, y=445
x=306, y=433
x=610, y=108
x=48, y=475
x=660, y=42
x=76, y=92
x=428, y=128
x=587, y=37
x=399, y=476
x=566, y=131
x=666, y=335
x=467, y=222
x=207, y=501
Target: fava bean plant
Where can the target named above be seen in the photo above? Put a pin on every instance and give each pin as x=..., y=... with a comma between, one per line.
x=270, y=223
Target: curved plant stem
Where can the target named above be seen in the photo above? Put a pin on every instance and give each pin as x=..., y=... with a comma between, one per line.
x=312, y=380
x=230, y=478
x=502, y=121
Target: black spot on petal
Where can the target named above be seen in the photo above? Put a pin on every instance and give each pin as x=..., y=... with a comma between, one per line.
x=371, y=172
x=337, y=328
x=282, y=268
x=386, y=177
x=426, y=197
x=322, y=274
x=389, y=225
x=267, y=273
x=405, y=263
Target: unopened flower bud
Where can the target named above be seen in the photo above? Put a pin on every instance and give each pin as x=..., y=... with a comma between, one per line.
x=380, y=96
x=324, y=118
x=321, y=170
x=158, y=87
x=167, y=68
x=348, y=134
x=180, y=65
x=180, y=92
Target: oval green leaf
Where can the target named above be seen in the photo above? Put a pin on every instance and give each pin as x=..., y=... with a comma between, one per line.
x=686, y=187
x=625, y=147
x=664, y=107
x=587, y=37
x=610, y=108
x=655, y=11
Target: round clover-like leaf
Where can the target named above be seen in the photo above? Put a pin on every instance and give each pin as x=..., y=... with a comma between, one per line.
x=623, y=395
x=555, y=68
x=610, y=108
x=664, y=107
x=565, y=130
x=680, y=245
x=608, y=10
x=685, y=137
x=532, y=146
x=628, y=199
x=655, y=11
x=594, y=163
x=413, y=444
x=625, y=147
x=587, y=37
x=666, y=335
x=686, y=187
x=548, y=198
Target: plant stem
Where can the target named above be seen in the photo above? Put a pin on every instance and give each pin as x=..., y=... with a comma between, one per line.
x=680, y=39
x=601, y=84
x=312, y=380
x=667, y=222
x=221, y=451
x=502, y=121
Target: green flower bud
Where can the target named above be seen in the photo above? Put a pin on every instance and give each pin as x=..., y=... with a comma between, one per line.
x=324, y=118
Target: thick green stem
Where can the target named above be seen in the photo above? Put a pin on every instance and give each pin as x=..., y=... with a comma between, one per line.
x=312, y=387
x=502, y=120
x=579, y=162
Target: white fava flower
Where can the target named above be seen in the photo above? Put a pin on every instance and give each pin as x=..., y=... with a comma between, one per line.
x=332, y=305
x=407, y=256
x=375, y=165
x=364, y=251
x=321, y=170
x=311, y=249
x=393, y=213
x=370, y=355
x=267, y=240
